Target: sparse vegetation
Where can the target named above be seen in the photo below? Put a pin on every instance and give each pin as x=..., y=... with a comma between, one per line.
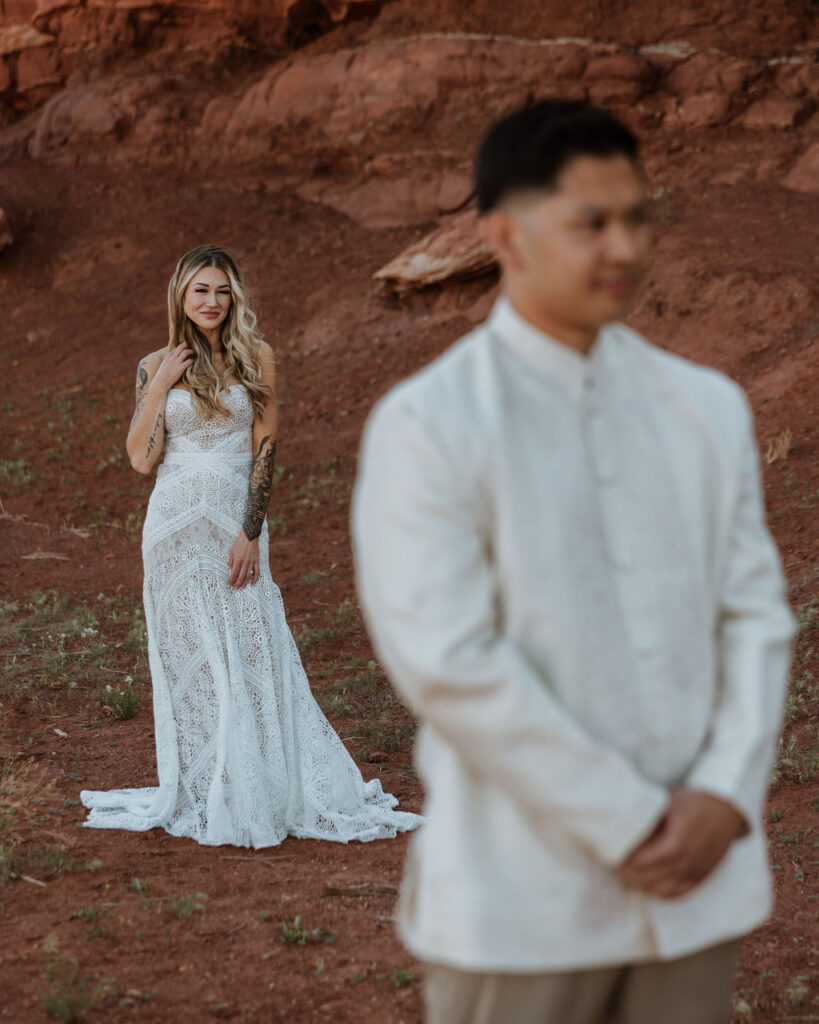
x=123, y=703
x=49, y=644
x=294, y=934
x=803, y=692
x=15, y=473
x=796, y=763
x=796, y=991
x=69, y=995
x=187, y=906
x=323, y=487
x=354, y=687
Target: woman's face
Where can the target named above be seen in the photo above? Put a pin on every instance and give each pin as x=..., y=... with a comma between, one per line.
x=207, y=298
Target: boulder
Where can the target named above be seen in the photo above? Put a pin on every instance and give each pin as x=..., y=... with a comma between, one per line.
x=707, y=108
x=789, y=79
x=5, y=231
x=777, y=112
x=84, y=112
x=707, y=73
x=571, y=67
x=693, y=77
x=809, y=76
x=625, y=67
x=804, y=175
x=736, y=75
x=454, y=251
x=418, y=196
x=38, y=68
x=618, y=78
x=15, y=38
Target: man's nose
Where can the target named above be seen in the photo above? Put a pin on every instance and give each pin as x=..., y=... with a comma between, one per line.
x=623, y=243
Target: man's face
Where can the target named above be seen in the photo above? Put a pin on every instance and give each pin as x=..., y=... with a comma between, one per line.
x=578, y=254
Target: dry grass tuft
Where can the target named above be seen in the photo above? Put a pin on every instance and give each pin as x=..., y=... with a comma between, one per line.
x=778, y=448
x=26, y=788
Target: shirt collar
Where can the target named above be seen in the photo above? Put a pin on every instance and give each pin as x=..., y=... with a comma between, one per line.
x=569, y=368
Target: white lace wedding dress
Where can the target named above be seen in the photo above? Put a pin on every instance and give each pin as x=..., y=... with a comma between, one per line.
x=244, y=754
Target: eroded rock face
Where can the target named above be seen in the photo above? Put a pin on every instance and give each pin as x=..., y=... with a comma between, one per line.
x=42, y=42
x=804, y=175
x=5, y=231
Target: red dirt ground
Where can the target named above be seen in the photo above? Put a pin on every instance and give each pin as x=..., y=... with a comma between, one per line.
x=734, y=285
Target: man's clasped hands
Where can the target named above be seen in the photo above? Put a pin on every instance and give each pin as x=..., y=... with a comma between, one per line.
x=691, y=838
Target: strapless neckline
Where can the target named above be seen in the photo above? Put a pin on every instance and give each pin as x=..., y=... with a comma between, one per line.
x=185, y=391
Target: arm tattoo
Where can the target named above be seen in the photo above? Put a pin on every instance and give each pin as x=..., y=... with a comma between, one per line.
x=142, y=380
x=152, y=438
x=258, y=488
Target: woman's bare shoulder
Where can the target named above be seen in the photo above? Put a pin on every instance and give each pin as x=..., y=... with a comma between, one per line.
x=264, y=351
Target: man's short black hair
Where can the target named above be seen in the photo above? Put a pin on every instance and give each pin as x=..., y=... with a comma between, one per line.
x=530, y=148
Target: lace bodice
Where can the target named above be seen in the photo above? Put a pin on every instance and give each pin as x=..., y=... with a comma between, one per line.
x=186, y=433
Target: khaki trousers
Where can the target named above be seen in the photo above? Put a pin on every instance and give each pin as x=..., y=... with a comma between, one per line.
x=696, y=989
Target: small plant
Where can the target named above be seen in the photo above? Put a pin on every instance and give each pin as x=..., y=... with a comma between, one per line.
x=54, y=858
x=190, y=905
x=402, y=978
x=68, y=995
x=123, y=703
x=796, y=991
x=795, y=763
x=316, y=576
x=370, y=971
x=803, y=692
x=9, y=864
x=15, y=473
x=387, y=738
x=114, y=456
x=137, y=885
x=277, y=525
x=293, y=934
x=87, y=914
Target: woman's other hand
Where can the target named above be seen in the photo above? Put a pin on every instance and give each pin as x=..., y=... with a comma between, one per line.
x=243, y=562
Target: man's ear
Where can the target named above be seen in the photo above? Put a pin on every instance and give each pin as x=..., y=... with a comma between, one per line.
x=504, y=236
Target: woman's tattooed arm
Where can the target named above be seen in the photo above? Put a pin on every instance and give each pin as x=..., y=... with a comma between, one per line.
x=259, y=487
x=152, y=439
x=142, y=380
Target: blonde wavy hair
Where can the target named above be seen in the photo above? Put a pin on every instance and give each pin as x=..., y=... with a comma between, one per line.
x=239, y=338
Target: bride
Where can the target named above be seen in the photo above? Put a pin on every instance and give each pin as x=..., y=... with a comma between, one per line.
x=244, y=754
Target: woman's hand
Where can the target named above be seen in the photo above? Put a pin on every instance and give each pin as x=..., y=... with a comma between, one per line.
x=243, y=562
x=172, y=367
x=156, y=375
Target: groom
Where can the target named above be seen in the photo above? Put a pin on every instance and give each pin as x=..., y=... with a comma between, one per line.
x=563, y=559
